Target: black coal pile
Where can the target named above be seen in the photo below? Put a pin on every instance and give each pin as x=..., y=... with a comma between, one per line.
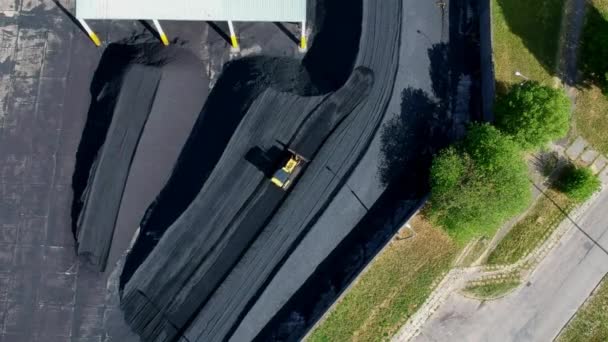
x=219, y=231
x=145, y=99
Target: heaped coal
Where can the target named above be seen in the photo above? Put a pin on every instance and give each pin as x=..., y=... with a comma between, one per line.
x=135, y=128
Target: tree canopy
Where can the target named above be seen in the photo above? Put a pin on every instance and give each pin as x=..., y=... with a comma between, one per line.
x=533, y=114
x=479, y=183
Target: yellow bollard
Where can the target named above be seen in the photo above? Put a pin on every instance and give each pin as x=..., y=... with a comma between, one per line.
x=95, y=39
x=303, y=43
x=90, y=32
x=161, y=33
x=303, y=38
x=235, y=43
x=164, y=39
x=233, y=40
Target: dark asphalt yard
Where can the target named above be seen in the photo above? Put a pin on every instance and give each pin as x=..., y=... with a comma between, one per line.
x=224, y=254
x=46, y=68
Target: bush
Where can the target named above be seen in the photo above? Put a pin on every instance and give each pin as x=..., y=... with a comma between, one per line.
x=478, y=184
x=579, y=183
x=533, y=114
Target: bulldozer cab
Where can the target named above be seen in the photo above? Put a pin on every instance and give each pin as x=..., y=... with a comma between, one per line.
x=285, y=175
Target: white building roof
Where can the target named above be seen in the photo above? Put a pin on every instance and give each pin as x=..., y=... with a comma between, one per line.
x=221, y=10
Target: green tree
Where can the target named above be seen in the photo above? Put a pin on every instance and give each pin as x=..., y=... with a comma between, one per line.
x=478, y=184
x=448, y=169
x=533, y=114
x=579, y=183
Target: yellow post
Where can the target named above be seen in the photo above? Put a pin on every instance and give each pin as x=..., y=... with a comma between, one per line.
x=233, y=39
x=303, y=40
x=90, y=32
x=161, y=33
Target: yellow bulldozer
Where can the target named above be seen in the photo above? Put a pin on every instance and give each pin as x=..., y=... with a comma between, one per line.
x=286, y=175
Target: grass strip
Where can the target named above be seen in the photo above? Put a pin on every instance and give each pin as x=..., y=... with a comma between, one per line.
x=591, y=110
x=392, y=289
x=492, y=290
x=591, y=321
x=526, y=39
x=532, y=230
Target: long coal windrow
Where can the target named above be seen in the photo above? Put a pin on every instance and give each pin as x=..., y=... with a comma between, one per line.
x=291, y=221
x=110, y=170
x=239, y=85
x=325, y=68
x=256, y=207
x=190, y=255
x=111, y=151
x=220, y=239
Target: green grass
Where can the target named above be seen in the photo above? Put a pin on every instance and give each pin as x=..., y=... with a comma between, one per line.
x=593, y=50
x=591, y=321
x=591, y=110
x=397, y=283
x=591, y=118
x=526, y=39
x=492, y=290
x=532, y=230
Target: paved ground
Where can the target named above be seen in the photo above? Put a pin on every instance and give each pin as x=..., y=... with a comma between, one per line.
x=45, y=295
x=46, y=65
x=364, y=185
x=419, y=94
x=539, y=310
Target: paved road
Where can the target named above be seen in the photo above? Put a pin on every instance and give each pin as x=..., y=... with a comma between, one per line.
x=538, y=311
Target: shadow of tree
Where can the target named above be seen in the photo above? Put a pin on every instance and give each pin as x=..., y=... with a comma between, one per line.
x=593, y=62
x=537, y=23
x=404, y=137
x=545, y=162
x=440, y=72
x=502, y=88
x=409, y=140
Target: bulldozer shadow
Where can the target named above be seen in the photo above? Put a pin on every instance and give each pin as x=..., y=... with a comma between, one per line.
x=267, y=161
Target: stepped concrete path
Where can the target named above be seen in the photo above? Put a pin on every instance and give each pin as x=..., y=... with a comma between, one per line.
x=541, y=308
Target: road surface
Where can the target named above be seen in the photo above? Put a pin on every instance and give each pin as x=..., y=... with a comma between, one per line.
x=538, y=310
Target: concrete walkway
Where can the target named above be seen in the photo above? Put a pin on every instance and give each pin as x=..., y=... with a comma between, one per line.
x=581, y=153
x=539, y=310
x=560, y=284
x=578, y=151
